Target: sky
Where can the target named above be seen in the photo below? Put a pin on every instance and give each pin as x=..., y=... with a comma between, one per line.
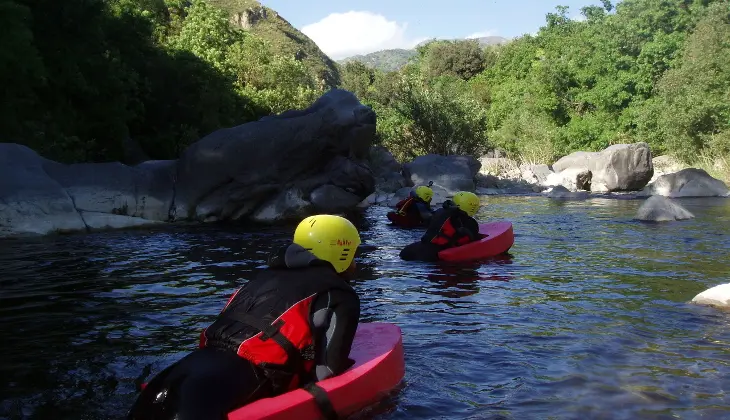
x=342, y=28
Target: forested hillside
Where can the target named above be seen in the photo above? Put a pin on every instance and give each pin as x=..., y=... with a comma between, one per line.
x=648, y=70
x=82, y=76
x=395, y=59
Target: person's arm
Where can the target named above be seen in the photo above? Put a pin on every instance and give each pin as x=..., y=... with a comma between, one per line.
x=473, y=226
x=424, y=211
x=336, y=324
x=468, y=227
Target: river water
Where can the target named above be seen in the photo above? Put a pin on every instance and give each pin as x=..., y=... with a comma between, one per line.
x=586, y=318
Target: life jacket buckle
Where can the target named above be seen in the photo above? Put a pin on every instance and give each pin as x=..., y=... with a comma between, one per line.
x=272, y=330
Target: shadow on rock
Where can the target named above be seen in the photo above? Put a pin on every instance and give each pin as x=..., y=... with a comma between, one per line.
x=276, y=169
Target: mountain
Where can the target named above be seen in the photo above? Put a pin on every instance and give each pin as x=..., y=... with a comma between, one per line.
x=266, y=23
x=386, y=60
x=391, y=60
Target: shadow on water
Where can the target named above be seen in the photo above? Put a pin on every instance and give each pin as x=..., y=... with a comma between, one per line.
x=587, y=317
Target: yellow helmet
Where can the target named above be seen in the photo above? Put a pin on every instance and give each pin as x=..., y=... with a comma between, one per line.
x=467, y=201
x=330, y=238
x=424, y=193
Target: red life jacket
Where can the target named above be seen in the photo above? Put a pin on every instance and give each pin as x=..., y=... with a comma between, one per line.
x=446, y=235
x=265, y=324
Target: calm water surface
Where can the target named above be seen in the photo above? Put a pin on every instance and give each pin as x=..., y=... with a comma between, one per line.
x=586, y=318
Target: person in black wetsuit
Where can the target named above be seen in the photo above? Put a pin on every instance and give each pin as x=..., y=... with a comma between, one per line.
x=414, y=210
x=450, y=226
x=291, y=326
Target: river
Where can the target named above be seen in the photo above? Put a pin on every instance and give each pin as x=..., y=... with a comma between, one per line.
x=586, y=318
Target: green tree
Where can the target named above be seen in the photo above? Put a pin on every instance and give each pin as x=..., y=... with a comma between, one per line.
x=463, y=59
x=357, y=78
x=436, y=119
x=693, y=101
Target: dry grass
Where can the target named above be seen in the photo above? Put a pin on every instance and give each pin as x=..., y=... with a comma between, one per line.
x=716, y=166
x=500, y=167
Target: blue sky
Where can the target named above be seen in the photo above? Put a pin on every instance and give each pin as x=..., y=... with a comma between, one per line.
x=346, y=27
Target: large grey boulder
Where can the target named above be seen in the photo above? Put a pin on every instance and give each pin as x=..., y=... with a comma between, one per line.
x=278, y=168
x=621, y=167
x=277, y=153
x=452, y=173
x=690, y=182
x=659, y=209
x=145, y=191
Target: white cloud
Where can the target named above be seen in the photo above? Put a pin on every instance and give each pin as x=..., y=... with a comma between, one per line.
x=481, y=34
x=341, y=35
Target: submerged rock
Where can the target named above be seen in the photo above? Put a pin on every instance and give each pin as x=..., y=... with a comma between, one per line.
x=716, y=296
x=661, y=209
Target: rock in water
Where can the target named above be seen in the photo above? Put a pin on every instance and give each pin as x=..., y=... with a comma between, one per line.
x=278, y=168
x=660, y=209
x=690, y=182
x=716, y=296
x=621, y=167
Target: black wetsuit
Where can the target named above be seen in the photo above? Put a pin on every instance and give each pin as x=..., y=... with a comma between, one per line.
x=214, y=380
x=437, y=238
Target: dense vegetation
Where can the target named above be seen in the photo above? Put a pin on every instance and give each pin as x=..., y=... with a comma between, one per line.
x=83, y=76
x=651, y=70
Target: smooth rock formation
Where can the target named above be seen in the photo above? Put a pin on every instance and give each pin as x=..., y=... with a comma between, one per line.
x=659, y=209
x=690, y=182
x=717, y=296
x=278, y=168
x=453, y=173
x=621, y=167
x=30, y=200
x=572, y=179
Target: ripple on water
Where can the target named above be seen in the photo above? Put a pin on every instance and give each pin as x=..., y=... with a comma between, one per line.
x=586, y=318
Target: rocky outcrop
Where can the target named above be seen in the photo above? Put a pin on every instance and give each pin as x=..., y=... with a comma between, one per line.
x=621, y=167
x=30, y=200
x=505, y=176
x=660, y=209
x=449, y=175
x=690, y=182
x=718, y=296
x=275, y=169
x=572, y=179
x=452, y=173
